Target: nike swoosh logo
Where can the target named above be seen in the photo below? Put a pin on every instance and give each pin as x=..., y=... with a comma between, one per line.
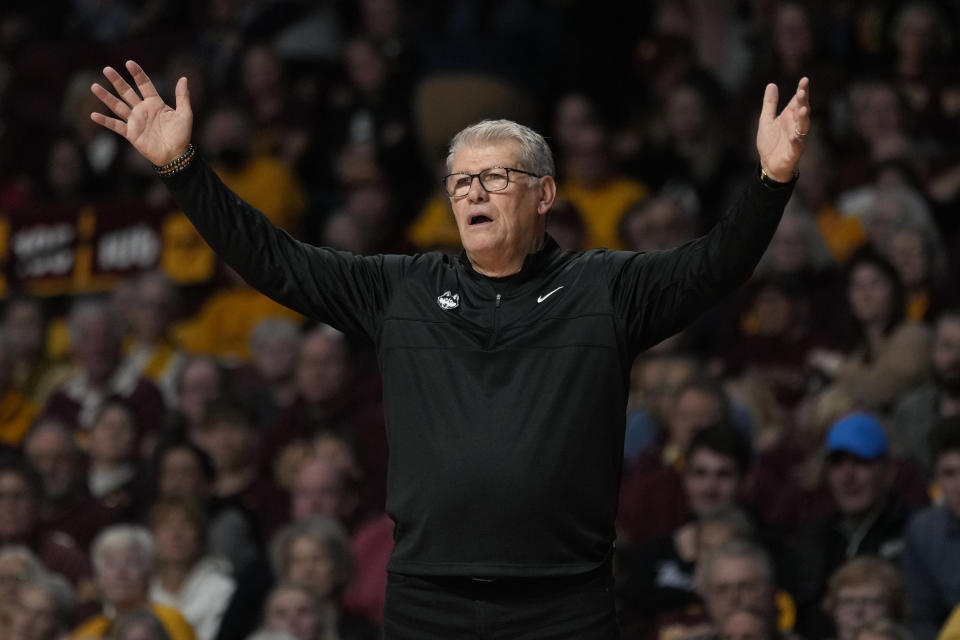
x=544, y=297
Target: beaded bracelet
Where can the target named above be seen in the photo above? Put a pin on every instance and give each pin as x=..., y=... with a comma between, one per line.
x=178, y=164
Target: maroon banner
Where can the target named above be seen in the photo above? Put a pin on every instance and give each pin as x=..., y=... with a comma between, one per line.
x=88, y=248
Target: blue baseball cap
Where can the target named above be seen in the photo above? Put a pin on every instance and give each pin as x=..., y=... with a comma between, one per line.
x=859, y=434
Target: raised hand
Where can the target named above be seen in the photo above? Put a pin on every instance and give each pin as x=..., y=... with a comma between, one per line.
x=158, y=132
x=780, y=138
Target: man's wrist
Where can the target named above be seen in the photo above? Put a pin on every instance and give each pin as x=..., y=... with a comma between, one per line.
x=774, y=183
x=176, y=165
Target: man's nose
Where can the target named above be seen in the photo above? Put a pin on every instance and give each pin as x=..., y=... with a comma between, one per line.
x=477, y=193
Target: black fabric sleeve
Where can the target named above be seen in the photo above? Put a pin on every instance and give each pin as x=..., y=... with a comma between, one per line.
x=658, y=293
x=347, y=291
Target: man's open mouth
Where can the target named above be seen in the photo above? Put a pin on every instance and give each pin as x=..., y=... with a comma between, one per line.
x=479, y=219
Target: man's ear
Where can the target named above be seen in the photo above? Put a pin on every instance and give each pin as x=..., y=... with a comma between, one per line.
x=548, y=193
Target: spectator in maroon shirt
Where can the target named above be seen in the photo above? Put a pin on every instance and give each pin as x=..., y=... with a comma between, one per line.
x=21, y=493
x=34, y=373
x=331, y=394
x=652, y=501
x=269, y=381
x=717, y=462
x=113, y=477
x=67, y=504
x=229, y=436
x=202, y=380
x=96, y=338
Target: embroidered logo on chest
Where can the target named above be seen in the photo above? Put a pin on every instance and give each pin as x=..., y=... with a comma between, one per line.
x=544, y=297
x=448, y=301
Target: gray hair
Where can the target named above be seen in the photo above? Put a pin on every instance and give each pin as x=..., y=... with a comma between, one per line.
x=535, y=154
x=932, y=243
x=60, y=593
x=733, y=549
x=326, y=532
x=912, y=207
x=733, y=518
x=124, y=536
x=34, y=566
x=274, y=328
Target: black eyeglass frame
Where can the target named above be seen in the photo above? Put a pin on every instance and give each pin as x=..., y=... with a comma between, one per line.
x=443, y=182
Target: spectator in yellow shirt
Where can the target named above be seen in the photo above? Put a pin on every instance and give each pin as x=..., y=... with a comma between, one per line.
x=223, y=326
x=262, y=180
x=16, y=412
x=149, y=349
x=591, y=182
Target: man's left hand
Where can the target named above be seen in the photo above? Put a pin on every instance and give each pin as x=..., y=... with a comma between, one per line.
x=780, y=138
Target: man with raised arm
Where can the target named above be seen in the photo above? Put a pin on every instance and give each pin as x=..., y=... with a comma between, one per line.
x=505, y=370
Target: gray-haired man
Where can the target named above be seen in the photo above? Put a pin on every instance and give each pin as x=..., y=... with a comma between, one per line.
x=505, y=370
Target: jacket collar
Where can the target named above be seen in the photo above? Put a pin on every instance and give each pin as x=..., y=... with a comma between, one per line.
x=532, y=264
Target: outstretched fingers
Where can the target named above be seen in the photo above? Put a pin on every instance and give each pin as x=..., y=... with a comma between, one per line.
x=123, y=89
x=120, y=108
x=115, y=125
x=147, y=90
x=183, y=96
x=771, y=96
x=799, y=108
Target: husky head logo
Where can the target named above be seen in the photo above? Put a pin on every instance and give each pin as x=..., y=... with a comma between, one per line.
x=448, y=301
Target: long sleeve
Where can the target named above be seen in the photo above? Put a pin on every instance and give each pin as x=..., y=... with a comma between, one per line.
x=931, y=569
x=900, y=363
x=656, y=294
x=346, y=291
x=924, y=613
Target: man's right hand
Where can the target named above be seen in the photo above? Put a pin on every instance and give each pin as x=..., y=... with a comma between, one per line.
x=158, y=132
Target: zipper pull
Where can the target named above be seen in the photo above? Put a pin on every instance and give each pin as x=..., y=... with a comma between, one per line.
x=498, y=301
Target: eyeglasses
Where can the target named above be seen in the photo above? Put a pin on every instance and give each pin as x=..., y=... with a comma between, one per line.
x=494, y=179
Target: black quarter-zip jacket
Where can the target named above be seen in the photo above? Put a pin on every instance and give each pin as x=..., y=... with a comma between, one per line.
x=504, y=398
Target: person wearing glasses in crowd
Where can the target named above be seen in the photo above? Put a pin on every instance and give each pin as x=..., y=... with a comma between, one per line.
x=505, y=369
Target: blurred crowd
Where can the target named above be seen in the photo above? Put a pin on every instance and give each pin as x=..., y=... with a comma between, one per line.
x=183, y=458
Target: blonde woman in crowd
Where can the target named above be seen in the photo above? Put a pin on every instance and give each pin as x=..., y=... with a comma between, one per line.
x=863, y=591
